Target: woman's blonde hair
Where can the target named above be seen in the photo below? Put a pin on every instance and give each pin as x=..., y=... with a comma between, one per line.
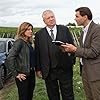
x=22, y=29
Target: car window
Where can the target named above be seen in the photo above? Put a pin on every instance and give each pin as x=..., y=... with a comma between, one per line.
x=9, y=45
x=2, y=46
x=12, y=41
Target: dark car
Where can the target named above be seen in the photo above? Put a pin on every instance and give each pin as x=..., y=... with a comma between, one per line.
x=5, y=46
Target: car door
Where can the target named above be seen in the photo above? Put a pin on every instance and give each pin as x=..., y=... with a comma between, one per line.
x=9, y=45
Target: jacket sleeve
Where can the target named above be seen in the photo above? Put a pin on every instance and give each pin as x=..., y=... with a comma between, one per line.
x=11, y=58
x=93, y=50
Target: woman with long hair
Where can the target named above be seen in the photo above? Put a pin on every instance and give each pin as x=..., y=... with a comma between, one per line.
x=21, y=61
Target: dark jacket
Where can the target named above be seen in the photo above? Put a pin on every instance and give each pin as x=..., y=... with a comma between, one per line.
x=18, y=59
x=49, y=55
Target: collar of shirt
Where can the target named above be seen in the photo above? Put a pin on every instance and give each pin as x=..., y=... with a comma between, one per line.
x=54, y=31
x=86, y=28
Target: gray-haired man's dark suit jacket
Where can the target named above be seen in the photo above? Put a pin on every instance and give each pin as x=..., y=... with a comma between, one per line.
x=49, y=55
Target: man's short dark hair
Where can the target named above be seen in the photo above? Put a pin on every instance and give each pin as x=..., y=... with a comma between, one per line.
x=85, y=11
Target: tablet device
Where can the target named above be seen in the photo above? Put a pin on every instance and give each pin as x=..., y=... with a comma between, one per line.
x=59, y=43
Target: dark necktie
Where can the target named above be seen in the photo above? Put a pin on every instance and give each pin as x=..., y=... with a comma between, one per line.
x=52, y=35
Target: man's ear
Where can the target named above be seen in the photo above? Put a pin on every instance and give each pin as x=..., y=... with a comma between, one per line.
x=85, y=16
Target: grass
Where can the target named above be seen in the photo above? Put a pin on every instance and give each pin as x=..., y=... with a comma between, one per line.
x=10, y=93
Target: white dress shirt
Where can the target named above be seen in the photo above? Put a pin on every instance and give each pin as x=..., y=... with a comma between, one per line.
x=54, y=31
x=85, y=30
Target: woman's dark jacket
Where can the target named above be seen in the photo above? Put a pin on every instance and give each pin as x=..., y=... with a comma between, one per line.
x=18, y=60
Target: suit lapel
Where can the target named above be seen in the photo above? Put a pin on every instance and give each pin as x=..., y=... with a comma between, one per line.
x=46, y=35
x=81, y=39
x=58, y=33
x=89, y=32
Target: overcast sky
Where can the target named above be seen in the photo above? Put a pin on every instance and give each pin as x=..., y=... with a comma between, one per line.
x=14, y=12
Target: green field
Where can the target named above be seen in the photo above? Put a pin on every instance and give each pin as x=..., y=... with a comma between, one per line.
x=11, y=31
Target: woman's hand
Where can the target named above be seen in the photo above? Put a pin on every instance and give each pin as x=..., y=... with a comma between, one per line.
x=21, y=77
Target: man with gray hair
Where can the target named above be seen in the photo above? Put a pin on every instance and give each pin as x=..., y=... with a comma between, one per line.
x=53, y=65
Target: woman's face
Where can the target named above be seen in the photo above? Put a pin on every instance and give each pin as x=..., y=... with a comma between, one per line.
x=28, y=33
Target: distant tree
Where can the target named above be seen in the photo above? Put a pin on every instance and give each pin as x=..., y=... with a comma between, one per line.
x=71, y=24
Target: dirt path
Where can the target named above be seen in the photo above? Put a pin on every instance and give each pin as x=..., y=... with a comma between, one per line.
x=7, y=84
